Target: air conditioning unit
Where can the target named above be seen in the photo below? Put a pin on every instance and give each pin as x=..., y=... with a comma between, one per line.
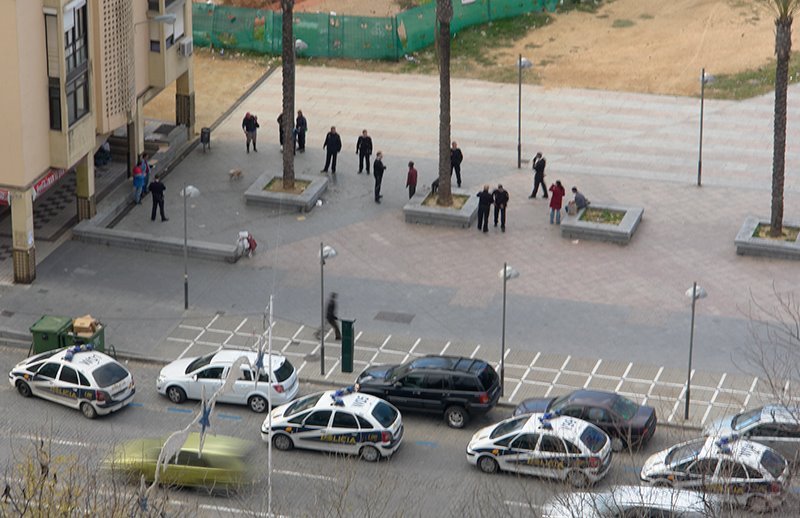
x=185, y=47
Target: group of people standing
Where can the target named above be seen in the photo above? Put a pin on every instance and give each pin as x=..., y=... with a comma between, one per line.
x=557, y=190
x=498, y=198
x=142, y=186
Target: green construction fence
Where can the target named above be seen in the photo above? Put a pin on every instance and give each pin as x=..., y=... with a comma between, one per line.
x=353, y=37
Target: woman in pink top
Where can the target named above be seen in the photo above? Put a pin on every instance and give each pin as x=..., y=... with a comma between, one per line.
x=557, y=196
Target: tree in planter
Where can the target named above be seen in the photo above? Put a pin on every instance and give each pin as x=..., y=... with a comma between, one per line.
x=287, y=58
x=444, y=14
x=784, y=11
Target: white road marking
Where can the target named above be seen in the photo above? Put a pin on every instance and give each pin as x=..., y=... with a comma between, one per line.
x=300, y=474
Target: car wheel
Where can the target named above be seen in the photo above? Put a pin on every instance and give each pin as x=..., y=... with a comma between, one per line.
x=24, y=389
x=617, y=445
x=282, y=442
x=487, y=464
x=370, y=454
x=176, y=395
x=88, y=411
x=758, y=504
x=662, y=482
x=257, y=404
x=577, y=479
x=456, y=417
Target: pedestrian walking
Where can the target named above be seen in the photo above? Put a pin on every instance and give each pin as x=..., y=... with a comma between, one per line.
x=364, y=150
x=555, y=201
x=333, y=144
x=331, y=317
x=145, y=166
x=411, y=180
x=539, y=163
x=484, y=203
x=378, y=168
x=301, y=127
x=250, y=125
x=500, y=198
x=138, y=184
x=157, y=190
x=456, y=157
x=281, y=137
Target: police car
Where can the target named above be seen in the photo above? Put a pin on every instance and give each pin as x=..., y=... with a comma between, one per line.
x=741, y=472
x=545, y=445
x=340, y=421
x=76, y=377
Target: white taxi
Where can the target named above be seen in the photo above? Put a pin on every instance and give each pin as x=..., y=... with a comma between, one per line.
x=544, y=445
x=741, y=472
x=186, y=378
x=339, y=421
x=77, y=377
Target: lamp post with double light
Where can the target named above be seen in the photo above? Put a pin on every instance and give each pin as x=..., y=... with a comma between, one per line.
x=521, y=65
x=325, y=252
x=506, y=274
x=188, y=191
x=704, y=80
x=695, y=292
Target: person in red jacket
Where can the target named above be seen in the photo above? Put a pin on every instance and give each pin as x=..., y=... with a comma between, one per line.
x=557, y=196
x=411, y=180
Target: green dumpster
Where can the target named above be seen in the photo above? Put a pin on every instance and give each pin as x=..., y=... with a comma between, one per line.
x=348, y=345
x=52, y=332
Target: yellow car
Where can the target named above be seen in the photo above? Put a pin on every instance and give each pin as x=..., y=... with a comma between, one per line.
x=223, y=464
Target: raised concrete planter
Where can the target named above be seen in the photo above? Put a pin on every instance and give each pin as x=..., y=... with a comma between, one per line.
x=746, y=244
x=256, y=195
x=415, y=212
x=574, y=228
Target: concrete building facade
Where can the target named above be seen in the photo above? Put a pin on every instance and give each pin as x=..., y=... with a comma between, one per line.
x=77, y=71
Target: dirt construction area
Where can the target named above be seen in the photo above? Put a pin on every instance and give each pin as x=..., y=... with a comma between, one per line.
x=648, y=46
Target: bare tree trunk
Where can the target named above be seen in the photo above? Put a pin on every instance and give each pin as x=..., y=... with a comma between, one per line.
x=783, y=50
x=287, y=54
x=444, y=14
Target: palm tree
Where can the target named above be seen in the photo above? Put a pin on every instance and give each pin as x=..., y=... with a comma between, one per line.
x=444, y=14
x=287, y=55
x=784, y=10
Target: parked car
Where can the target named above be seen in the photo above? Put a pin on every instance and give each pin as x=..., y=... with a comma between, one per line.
x=633, y=502
x=544, y=445
x=739, y=471
x=457, y=387
x=77, y=377
x=629, y=425
x=343, y=421
x=775, y=426
x=224, y=463
x=185, y=379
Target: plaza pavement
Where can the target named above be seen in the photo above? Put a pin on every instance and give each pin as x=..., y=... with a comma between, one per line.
x=580, y=314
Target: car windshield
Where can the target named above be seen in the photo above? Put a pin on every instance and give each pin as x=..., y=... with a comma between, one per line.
x=625, y=408
x=303, y=404
x=594, y=439
x=43, y=356
x=773, y=463
x=557, y=403
x=283, y=372
x=684, y=452
x=385, y=414
x=508, y=426
x=108, y=374
x=746, y=419
x=199, y=362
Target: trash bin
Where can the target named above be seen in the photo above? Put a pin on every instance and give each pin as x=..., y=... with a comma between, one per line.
x=205, y=138
x=348, y=345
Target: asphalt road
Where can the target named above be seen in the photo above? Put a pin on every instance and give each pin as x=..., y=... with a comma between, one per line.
x=428, y=476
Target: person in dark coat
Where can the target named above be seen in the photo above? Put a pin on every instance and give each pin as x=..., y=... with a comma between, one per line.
x=411, y=180
x=555, y=201
x=364, y=151
x=330, y=316
x=301, y=127
x=281, y=137
x=539, y=163
x=250, y=125
x=484, y=203
x=500, y=197
x=333, y=144
x=157, y=190
x=379, y=168
x=456, y=157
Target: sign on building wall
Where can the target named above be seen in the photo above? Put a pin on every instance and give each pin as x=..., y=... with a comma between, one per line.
x=47, y=181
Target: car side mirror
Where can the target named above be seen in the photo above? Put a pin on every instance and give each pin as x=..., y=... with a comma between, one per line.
x=398, y=384
x=194, y=378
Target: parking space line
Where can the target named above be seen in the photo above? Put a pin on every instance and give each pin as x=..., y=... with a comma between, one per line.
x=229, y=416
x=750, y=392
x=528, y=505
x=301, y=367
x=303, y=475
x=591, y=374
x=444, y=349
x=652, y=385
x=410, y=351
x=242, y=323
x=624, y=375
x=330, y=370
x=475, y=351
x=558, y=374
x=713, y=397
x=179, y=410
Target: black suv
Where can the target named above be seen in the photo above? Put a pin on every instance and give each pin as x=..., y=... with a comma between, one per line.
x=453, y=386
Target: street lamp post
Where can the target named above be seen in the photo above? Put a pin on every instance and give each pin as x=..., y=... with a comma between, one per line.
x=325, y=252
x=521, y=64
x=188, y=191
x=506, y=273
x=704, y=79
x=695, y=292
